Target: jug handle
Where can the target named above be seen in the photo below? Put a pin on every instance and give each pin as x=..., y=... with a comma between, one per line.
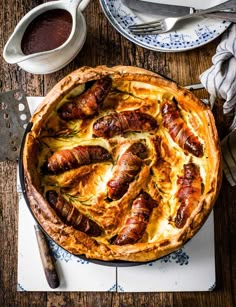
x=81, y=3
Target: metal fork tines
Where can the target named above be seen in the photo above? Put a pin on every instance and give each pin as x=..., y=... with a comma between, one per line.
x=166, y=24
x=155, y=27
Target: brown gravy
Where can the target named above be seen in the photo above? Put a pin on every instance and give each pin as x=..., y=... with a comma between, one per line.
x=47, y=31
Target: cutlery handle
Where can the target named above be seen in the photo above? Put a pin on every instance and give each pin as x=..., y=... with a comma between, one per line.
x=47, y=259
x=231, y=4
x=223, y=16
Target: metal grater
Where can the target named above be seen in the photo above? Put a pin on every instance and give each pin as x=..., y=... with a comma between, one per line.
x=14, y=117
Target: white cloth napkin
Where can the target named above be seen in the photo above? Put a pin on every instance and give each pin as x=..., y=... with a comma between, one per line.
x=220, y=81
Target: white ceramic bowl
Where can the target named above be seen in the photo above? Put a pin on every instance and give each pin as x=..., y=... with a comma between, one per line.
x=48, y=61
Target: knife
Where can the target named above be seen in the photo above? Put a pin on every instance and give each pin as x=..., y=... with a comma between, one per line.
x=158, y=8
x=193, y=87
x=170, y=10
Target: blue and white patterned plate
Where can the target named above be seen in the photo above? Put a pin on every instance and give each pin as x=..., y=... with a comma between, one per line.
x=191, y=34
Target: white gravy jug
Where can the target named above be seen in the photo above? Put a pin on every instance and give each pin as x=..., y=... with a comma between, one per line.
x=48, y=61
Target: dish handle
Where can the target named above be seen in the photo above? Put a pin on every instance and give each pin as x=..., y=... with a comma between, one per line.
x=81, y=3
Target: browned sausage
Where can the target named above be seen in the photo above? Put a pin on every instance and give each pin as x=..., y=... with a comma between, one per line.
x=71, y=216
x=188, y=193
x=138, y=149
x=118, y=123
x=67, y=159
x=128, y=166
x=137, y=220
x=178, y=129
x=86, y=104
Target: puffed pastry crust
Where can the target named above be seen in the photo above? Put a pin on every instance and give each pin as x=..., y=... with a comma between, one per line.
x=121, y=164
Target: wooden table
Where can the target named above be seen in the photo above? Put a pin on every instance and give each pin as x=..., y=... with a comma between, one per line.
x=104, y=45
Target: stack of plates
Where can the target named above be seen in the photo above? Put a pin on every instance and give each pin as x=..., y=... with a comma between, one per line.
x=189, y=34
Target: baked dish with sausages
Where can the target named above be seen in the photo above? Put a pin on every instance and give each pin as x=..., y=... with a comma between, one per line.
x=121, y=164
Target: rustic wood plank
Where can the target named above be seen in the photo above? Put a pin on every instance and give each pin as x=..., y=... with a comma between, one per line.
x=11, y=78
x=8, y=229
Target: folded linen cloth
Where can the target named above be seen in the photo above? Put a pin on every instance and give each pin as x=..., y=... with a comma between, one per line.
x=220, y=81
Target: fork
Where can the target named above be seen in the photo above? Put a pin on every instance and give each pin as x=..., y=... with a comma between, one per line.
x=166, y=24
